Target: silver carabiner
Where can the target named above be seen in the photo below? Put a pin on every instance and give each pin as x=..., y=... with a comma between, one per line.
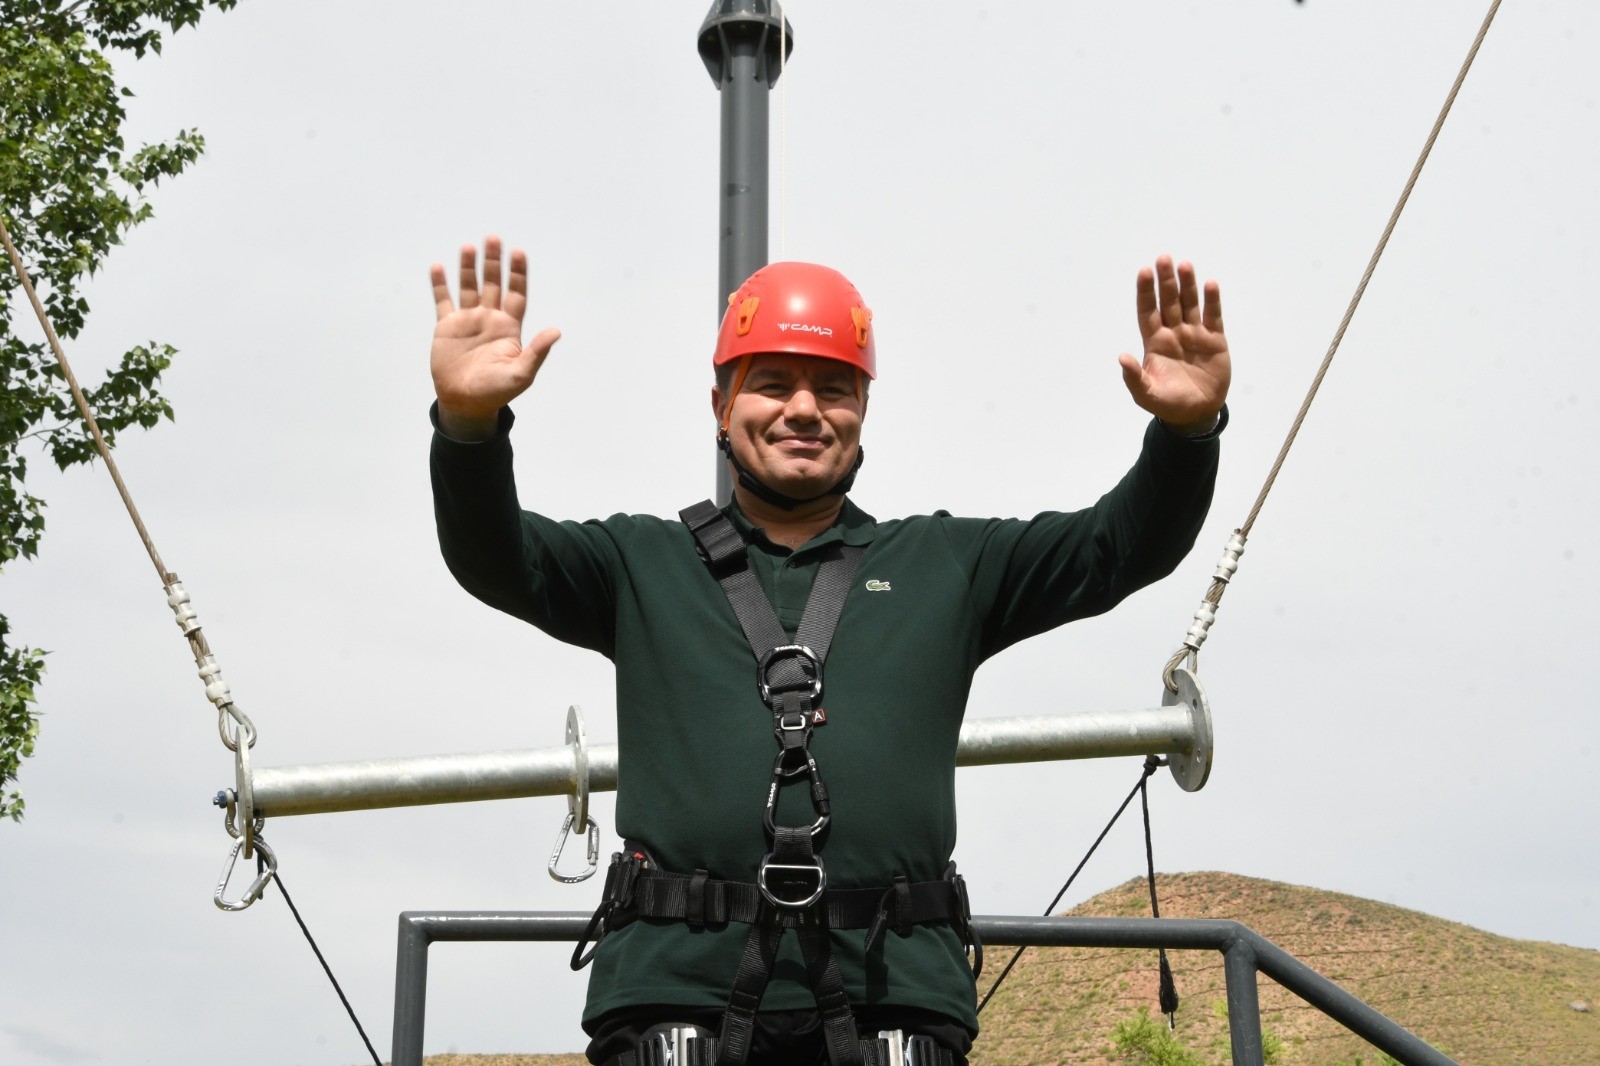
x=269, y=867
x=577, y=804
x=561, y=845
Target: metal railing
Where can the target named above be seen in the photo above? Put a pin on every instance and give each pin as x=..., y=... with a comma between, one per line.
x=1245, y=953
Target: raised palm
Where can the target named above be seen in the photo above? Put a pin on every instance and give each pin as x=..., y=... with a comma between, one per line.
x=479, y=361
x=1184, y=376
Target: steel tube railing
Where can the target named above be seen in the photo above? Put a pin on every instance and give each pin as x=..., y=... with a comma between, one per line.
x=375, y=783
x=1244, y=952
x=1244, y=1007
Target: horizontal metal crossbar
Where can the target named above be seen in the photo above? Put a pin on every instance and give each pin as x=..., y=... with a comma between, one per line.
x=1245, y=953
x=1182, y=731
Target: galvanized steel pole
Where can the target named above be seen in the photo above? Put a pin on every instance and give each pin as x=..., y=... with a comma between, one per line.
x=739, y=44
x=1182, y=732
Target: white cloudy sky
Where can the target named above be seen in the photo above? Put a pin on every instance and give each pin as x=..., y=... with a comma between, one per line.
x=1399, y=676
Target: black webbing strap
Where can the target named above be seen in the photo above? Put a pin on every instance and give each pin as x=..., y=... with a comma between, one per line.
x=827, y=984
x=700, y=900
x=723, y=549
x=791, y=844
x=755, y=969
x=790, y=679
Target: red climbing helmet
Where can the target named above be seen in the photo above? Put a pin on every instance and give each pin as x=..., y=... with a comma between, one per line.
x=802, y=309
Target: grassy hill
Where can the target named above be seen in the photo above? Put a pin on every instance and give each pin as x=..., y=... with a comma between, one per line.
x=1484, y=999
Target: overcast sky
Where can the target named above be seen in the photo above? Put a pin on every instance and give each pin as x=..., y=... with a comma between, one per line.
x=1399, y=676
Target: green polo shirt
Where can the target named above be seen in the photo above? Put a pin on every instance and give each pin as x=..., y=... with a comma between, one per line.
x=934, y=597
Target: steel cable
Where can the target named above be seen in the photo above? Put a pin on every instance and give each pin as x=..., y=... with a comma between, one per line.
x=376, y=1061
x=83, y=405
x=1150, y=765
x=1213, y=596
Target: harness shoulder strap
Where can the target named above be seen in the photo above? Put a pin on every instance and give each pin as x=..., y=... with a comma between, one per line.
x=723, y=549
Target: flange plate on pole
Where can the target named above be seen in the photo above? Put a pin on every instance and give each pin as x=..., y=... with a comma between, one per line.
x=1191, y=768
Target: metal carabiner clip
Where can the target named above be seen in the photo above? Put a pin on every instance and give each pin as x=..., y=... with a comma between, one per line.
x=561, y=845
x=819, y=794
x=577, y=804
x=269, y=866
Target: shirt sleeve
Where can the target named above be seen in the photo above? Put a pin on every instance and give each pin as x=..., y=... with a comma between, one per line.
x=559, y=576
x=1029, y=576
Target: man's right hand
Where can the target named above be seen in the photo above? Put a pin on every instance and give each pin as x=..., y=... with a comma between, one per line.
x=479, y=362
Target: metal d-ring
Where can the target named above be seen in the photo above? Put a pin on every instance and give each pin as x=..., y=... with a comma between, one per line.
x=577, y=805
x=1191, y=768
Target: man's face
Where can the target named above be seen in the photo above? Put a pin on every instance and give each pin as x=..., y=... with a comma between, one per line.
x=796, y=422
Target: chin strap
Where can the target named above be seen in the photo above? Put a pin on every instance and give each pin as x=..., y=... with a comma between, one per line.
x=773, y=496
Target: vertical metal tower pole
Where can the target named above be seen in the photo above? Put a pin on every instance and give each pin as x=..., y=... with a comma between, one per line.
x=739, y=43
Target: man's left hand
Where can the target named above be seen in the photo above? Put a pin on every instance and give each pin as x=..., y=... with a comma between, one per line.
x=1184, y=377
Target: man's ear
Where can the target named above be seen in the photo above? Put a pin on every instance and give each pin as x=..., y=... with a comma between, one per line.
x=716, y=404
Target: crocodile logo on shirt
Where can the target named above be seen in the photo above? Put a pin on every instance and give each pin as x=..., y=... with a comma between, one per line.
x=874, y=585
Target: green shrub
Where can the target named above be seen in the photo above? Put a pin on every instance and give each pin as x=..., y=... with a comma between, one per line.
x=1146, y=1042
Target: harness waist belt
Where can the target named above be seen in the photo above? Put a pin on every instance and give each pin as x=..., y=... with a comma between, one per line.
x=701, y=900
x=636, y=888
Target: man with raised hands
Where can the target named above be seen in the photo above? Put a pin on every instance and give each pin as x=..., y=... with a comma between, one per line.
x=785, y=892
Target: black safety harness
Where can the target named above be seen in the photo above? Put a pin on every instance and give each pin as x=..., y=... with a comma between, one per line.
x=791, y=888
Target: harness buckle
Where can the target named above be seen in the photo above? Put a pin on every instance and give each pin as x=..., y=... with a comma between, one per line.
x=789, y=651
x=793, y=878
x=893, y=1043
x=670, y=1047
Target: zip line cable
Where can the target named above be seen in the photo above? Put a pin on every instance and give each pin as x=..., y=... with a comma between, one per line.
x=83, y=405
x=1206, y=614
x=177, y=597
x=240, y=824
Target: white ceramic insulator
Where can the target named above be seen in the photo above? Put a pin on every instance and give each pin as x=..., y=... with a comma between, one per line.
x=1228, y=565
x=178, y=600
x=1204, y=615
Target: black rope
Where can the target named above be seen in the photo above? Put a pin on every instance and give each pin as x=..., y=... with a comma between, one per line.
x=1168, y=988
x=325, y=968
x=1150, y=765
